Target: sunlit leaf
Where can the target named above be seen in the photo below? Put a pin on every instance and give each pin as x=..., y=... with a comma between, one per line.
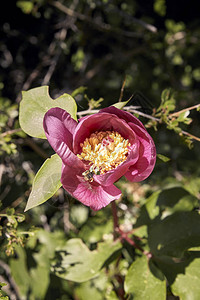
x=46, y=182
x=40, y=274
x=163, y=157
x=121, y=104
x=93, y=289
x=77, y=263
x=187, y=284
x=141, y=282
x=183, y=275
x=35, y=103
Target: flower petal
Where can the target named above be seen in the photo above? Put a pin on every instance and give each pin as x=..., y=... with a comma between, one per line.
x=126, y=116
x=100, y=122
x=59, y=128
x=147, y=156
x=90, y=194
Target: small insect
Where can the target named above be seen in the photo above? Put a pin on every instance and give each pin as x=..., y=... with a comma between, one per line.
x=88, y=175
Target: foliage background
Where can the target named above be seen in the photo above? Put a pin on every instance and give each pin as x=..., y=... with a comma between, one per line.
x=155, y=44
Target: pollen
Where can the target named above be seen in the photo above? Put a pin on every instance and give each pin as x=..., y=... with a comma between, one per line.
x=104, y=151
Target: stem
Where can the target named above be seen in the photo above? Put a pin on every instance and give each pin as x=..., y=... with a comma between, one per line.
x=9, y=132
x=135, y=111
x=125, y=237
x=191, y=135
x=122, y=90
x=115, y=219
x=183, y=110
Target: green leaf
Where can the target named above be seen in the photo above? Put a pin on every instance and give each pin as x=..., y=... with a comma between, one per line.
x=192, y=186
x=175, y=234
x=77, y=263
x=78, y=91
x=187, y=285
x=141, y=282
x=46, y=182
x=149, y=210
x=19, y=271
x=165, y=95
x=35, y=103
x=39, y=275
x=1, y=295
x=93, y=289
x=176, y=199
x=79, y=215
x=25, y=6
x=164, y=203
x=183, y=275
x=96, y=227
x=121, y=104
x=163, y=157
x=51, y=240
x=37, y=278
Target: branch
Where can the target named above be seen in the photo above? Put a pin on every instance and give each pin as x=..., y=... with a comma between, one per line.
x=183, y=110
x=135, y=111
x=124, y=236
x=191, y=135
x=100, y=25
x=122, y=90
x=94, y=111
x=36, y=148
x=9, y=132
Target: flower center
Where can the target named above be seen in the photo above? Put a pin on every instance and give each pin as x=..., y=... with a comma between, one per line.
x=104, y=150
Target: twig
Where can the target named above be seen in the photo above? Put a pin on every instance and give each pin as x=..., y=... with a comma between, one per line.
x=9, y=132
x=100, y=25
x=124, y=236
x=35, y=147
x=94, y=111
x=135, y=111
x=183, y=110
x=87, y=112
x=122, y=90
x=191, y=135
x=50, y=58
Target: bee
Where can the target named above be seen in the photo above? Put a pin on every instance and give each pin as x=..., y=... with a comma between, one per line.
x=88, y=175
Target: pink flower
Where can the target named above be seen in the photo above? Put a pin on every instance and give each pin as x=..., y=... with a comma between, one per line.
x=98, y=150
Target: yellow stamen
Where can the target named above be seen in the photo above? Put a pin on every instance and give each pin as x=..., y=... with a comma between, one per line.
x=104, y=150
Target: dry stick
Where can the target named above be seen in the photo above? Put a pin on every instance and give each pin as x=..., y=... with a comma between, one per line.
x=122, y=90
x=94, y=111
x=46, y=60
x=135, y=111
x=100, y=25
x=9, y=132
x=191, y=135
x=36, y=148
x=183, y=110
